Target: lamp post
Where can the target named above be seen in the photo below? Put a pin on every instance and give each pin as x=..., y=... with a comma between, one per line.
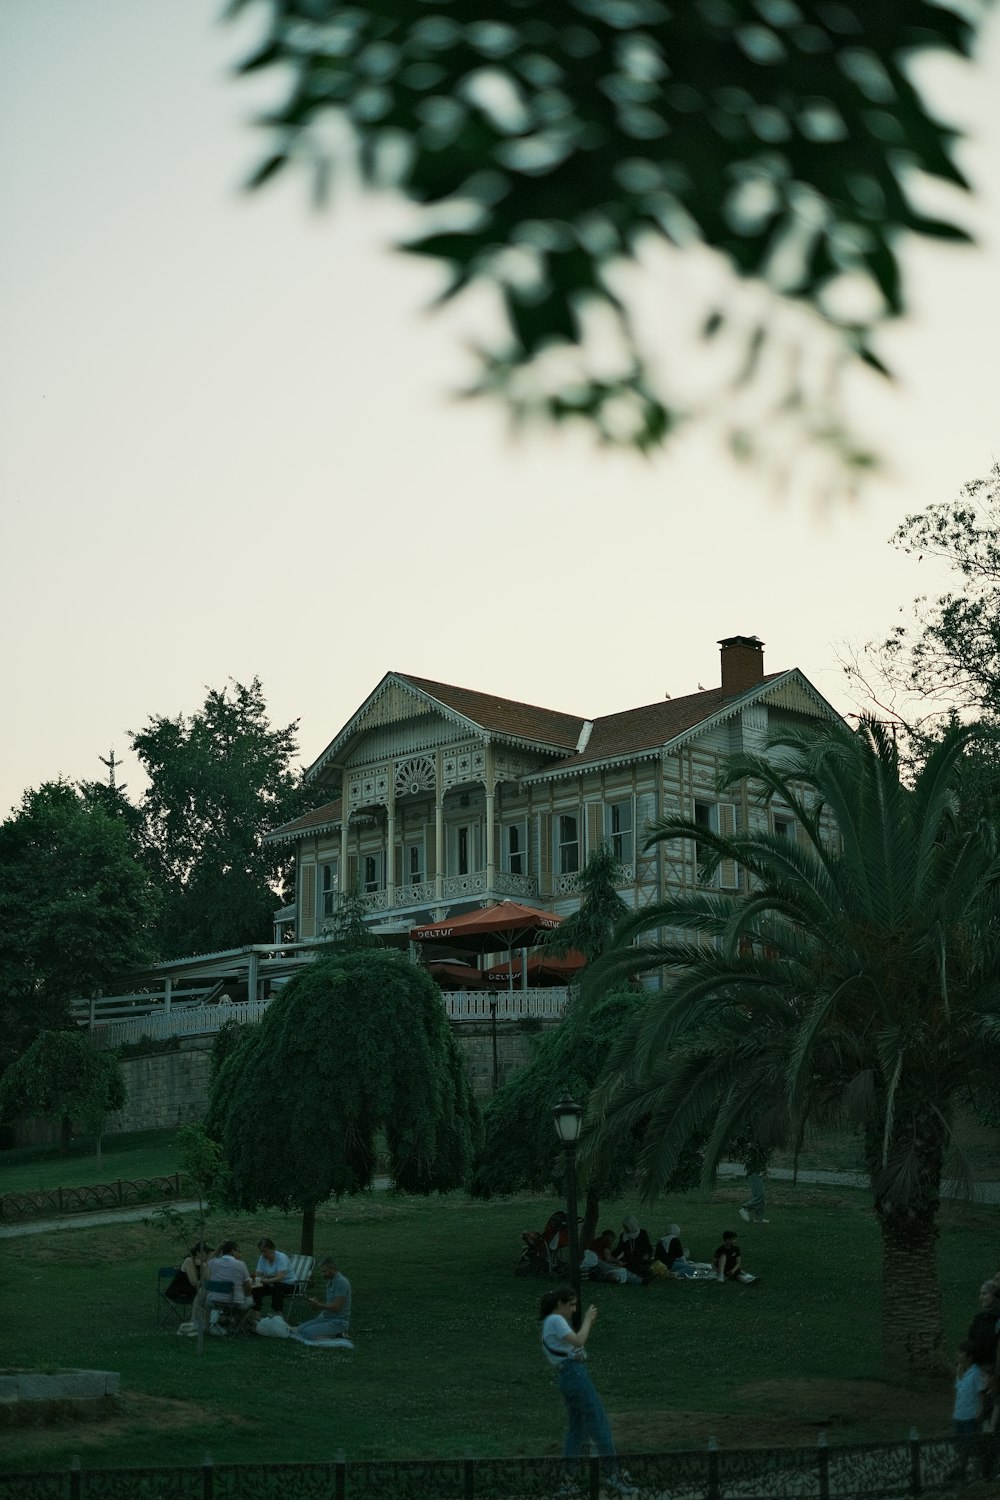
x=569, y=1119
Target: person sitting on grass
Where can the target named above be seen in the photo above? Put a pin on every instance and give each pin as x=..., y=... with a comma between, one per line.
x=634, y=1248
x=727, y=1262
x=669, y=1258
x=334, y=1320
x=609, y=1267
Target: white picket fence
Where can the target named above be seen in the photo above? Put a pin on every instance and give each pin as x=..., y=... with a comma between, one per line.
x=516, y=1005
x=203, y=1020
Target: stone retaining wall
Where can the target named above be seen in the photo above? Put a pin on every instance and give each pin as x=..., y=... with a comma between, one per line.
x=166, y=1089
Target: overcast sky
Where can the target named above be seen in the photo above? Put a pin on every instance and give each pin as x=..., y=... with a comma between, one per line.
x=229, y=445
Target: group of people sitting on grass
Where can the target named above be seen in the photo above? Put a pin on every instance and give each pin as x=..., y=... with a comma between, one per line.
x=238, y=1293
x=635, y=1261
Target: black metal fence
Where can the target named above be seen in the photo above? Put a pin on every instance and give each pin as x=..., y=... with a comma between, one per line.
x=824, y=1472
x=96, y=1195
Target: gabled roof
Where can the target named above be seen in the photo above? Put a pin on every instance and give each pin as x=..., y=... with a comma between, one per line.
x=635, y=732
x=656, y=726
x=504, y=716
x=522, y=723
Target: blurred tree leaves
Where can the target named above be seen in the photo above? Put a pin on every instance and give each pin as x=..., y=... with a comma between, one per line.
x=549, y=142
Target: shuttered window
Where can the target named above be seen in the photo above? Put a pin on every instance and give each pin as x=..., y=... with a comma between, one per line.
x=307, y=901
x=620, y=831
x=729, y=823
x=543, y=842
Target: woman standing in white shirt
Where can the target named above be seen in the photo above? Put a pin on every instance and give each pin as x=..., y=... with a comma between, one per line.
x=563, y=1347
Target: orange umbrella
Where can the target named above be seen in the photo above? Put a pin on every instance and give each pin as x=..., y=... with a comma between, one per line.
x=541, y=970
x=508, y=925
x=452, y=974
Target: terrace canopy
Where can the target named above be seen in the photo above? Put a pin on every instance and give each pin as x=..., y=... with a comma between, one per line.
x=490, y=929
x=540, y=970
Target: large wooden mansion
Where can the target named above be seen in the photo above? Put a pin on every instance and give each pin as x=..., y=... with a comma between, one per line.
x=445, y=798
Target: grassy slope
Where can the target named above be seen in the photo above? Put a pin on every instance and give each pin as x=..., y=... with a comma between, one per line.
x=447, y=1358
x=150, y=1153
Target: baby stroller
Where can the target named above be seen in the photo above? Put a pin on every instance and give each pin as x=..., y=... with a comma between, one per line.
x=540, y=1256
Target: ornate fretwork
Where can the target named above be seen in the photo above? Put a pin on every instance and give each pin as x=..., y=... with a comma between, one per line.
x=414, y=777
x=510, y=765
x=368, y=788
x=468, y=763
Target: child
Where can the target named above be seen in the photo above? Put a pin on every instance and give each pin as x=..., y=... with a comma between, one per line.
x=727, y=1262
x=970, y=1383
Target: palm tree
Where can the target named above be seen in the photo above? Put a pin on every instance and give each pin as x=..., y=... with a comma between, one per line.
x=858, y=977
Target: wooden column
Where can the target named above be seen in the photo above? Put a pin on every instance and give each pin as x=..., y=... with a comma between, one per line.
x=390, y=852
x=439, y=845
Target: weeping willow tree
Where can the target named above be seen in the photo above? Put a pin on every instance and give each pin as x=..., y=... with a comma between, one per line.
x=357, y=1046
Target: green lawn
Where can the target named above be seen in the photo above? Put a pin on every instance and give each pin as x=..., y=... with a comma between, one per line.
x=447, y=1357
x=29, y=1169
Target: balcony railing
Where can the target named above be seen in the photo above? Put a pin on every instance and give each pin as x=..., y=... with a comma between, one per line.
x=203, y=1020
x=424, y=893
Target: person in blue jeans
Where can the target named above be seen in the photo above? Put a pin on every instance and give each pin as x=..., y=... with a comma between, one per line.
x=334, y=1322
x=563, y=1347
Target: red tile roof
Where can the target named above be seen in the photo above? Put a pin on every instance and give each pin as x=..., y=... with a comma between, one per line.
x=522, y=721
x=647, y=728
x=320, y=817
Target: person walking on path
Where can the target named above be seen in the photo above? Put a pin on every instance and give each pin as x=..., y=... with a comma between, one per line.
x=563, y=1347
x=753, y=1208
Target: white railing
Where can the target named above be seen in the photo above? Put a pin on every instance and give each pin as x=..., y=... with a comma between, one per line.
x=477, y=1005
x=181, y=1020
x=203, y=1020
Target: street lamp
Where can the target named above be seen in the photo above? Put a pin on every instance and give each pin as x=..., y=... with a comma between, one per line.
x=569, y=1120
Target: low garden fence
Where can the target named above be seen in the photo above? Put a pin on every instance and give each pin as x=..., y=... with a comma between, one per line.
x=823, y=1472
x=88, y=1199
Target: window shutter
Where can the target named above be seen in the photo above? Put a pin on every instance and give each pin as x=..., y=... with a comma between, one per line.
x=307, y=902
x=352, y=871
x=430, y=849
x=397, y=866
x=729, y=823
x=594, y=819
x=544, y=841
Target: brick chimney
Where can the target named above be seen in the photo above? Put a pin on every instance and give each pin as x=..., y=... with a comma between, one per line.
x=742, y=658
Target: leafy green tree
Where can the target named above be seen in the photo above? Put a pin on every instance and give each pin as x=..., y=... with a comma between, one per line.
x=520, y=1151
x=592, y=926
x=348, y=931
x=218, y=781
x=64, y=1077
x=858, y=979
x=947, y=653
x=76, y=909
x=356, y=1044
x=548, y=145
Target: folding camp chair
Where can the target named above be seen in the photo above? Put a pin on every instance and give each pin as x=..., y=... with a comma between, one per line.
x=168, y=1313
x=300, y=1269
x=220, y=1297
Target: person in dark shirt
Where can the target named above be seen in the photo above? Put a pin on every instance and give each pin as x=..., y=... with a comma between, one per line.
x=727, y=1262
x=634, y=1248
x=982, y=1336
